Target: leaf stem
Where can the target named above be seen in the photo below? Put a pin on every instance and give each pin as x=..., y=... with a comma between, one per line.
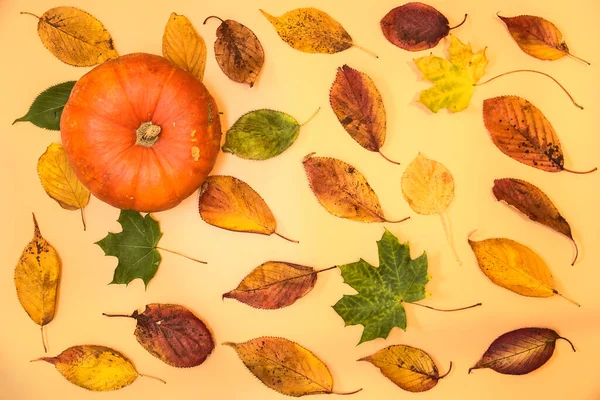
x=454, y=27
x=365, y=50
x=566, y=298
x=152, y=377
x=395, y=222
x=325, y=269
x=384, y=156
x=446, y=374
x=580, y=172
x=447, y=310
x=535, y=72
x=117, y=315
x=182, y=255
x=286, y=238
x=568, y=341
x=213, y=16
x=449, y=238
x=83, y=219
x=579, y=59
x=28, y=13
x=311, y=117
x=43, y=338
x=346, y=393
x=576, y=251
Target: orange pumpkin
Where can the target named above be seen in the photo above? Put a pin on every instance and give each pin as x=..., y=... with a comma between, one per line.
x=141, y=133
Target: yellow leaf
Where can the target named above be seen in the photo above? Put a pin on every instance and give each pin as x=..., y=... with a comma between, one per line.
x=285, y=366
x=514, y=267
x=59, y=180
x=183, y=46
x=37, y=277
x=410, y=368
x=311, y=30
x=75, y=37
x=232, y=204
x=95, y=368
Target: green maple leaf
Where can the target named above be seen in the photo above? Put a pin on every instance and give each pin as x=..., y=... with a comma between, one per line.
x=453, y=79
x=135, y=247
x=382, y=290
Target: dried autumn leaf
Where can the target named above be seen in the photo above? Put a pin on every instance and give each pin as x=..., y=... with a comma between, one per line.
x=312, y=31
x=358, y=106
x=453, y=79
x=342, y=190
x=285, y=366
x=37, y=276
x=262, y=134
x=183, y=46
x=515, y=267
x=238, y=51
x=60, y=182
x=520, y=351
x=230, y=203
x=410, y=368
x=428, y=187
x=415, y=26
x=75, y=37
x=537, y=37
x=275, y=284
x=534, y=203
x=47, y=108
x=173, y=334
x=95, y=368
x=524, y=134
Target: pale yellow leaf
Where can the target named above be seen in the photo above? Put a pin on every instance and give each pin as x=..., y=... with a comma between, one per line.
x=75, y=37
x=37, y=276
x=59, y=180
x=427, y=186
x=183, y=46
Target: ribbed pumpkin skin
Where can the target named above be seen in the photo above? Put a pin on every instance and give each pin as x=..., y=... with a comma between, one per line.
x=99, y=123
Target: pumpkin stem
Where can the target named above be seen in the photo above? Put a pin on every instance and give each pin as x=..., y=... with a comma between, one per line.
x=147, y=134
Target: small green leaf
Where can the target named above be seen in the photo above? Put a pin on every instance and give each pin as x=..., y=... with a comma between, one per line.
x=47, y=108
x=381, y=291
x=261, y=134
x=135, y=247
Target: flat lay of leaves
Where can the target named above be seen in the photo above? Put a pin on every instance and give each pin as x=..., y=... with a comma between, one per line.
x=142, y=133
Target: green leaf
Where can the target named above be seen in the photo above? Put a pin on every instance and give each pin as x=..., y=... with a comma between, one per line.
x=381, y=291
x=47, y=108
x=135, y=247
x=453, y=79
x=261, y=134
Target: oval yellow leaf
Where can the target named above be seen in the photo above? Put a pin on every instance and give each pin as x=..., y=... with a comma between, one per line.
x=311, y=30
x=95, y=368
x=59, y=180
x=37, y=276
x=515, y=267
x=183, y=46
x=285, y=366
x=427, y=186
x=75, y=37
x=410, y=368
x=230, y=203
x=342, y=190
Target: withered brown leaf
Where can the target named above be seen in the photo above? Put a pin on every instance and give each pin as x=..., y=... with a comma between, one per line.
x=238, y=51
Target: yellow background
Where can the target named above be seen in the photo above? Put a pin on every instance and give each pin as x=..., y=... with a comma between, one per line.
x=298, y=83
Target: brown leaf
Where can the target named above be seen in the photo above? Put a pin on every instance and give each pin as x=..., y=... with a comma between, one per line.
x=285, y=366
x=522, y=132
x=238, y=51
x=173, y=334
x=75, y=37
x=275, y=284
x=343, y=190
x=230, y=203
x=183, y=46
x=534, y=203
x=520, y=351
x=537, y=37
x=358, y=106
x=415, y=26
